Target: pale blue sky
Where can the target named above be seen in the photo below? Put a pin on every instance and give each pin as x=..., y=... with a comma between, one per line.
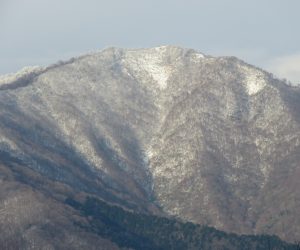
x=262, y=32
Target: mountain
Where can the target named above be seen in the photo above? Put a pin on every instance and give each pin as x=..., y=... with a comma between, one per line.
x=167, y=131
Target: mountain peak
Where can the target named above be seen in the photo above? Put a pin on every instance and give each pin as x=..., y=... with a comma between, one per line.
x=163, y=130
x=157, y=62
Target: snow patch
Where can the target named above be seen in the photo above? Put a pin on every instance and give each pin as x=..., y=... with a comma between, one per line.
x=199, y=56
x=254, y=80
x=149, y=153
x=8, y=142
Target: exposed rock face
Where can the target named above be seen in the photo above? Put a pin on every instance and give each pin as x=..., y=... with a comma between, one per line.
x=163, y=130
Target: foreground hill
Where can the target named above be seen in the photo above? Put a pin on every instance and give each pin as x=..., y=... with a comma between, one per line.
x=140, y=231
x=165, y=131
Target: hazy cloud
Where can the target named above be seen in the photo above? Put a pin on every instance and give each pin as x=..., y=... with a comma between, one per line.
x=34, y=31
x=286, y=67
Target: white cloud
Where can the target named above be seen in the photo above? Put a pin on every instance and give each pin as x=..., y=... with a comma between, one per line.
x=286, y=67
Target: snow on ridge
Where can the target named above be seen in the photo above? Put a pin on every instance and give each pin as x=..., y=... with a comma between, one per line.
x=9, y=78
x=150, y=61
x=162, y=48
x=155, y=62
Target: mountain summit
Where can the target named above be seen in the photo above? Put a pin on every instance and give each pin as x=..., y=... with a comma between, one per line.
x=165, y=131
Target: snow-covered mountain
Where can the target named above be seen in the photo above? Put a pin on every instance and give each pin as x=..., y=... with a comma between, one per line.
x=166, y=130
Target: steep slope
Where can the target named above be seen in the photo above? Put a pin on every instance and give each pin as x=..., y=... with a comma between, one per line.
x=230, y=140
x=166, y=131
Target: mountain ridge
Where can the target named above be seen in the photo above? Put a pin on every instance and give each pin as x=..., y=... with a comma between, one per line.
x=166, y=130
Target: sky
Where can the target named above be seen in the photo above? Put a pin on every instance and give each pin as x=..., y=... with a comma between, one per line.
x=265, y=33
